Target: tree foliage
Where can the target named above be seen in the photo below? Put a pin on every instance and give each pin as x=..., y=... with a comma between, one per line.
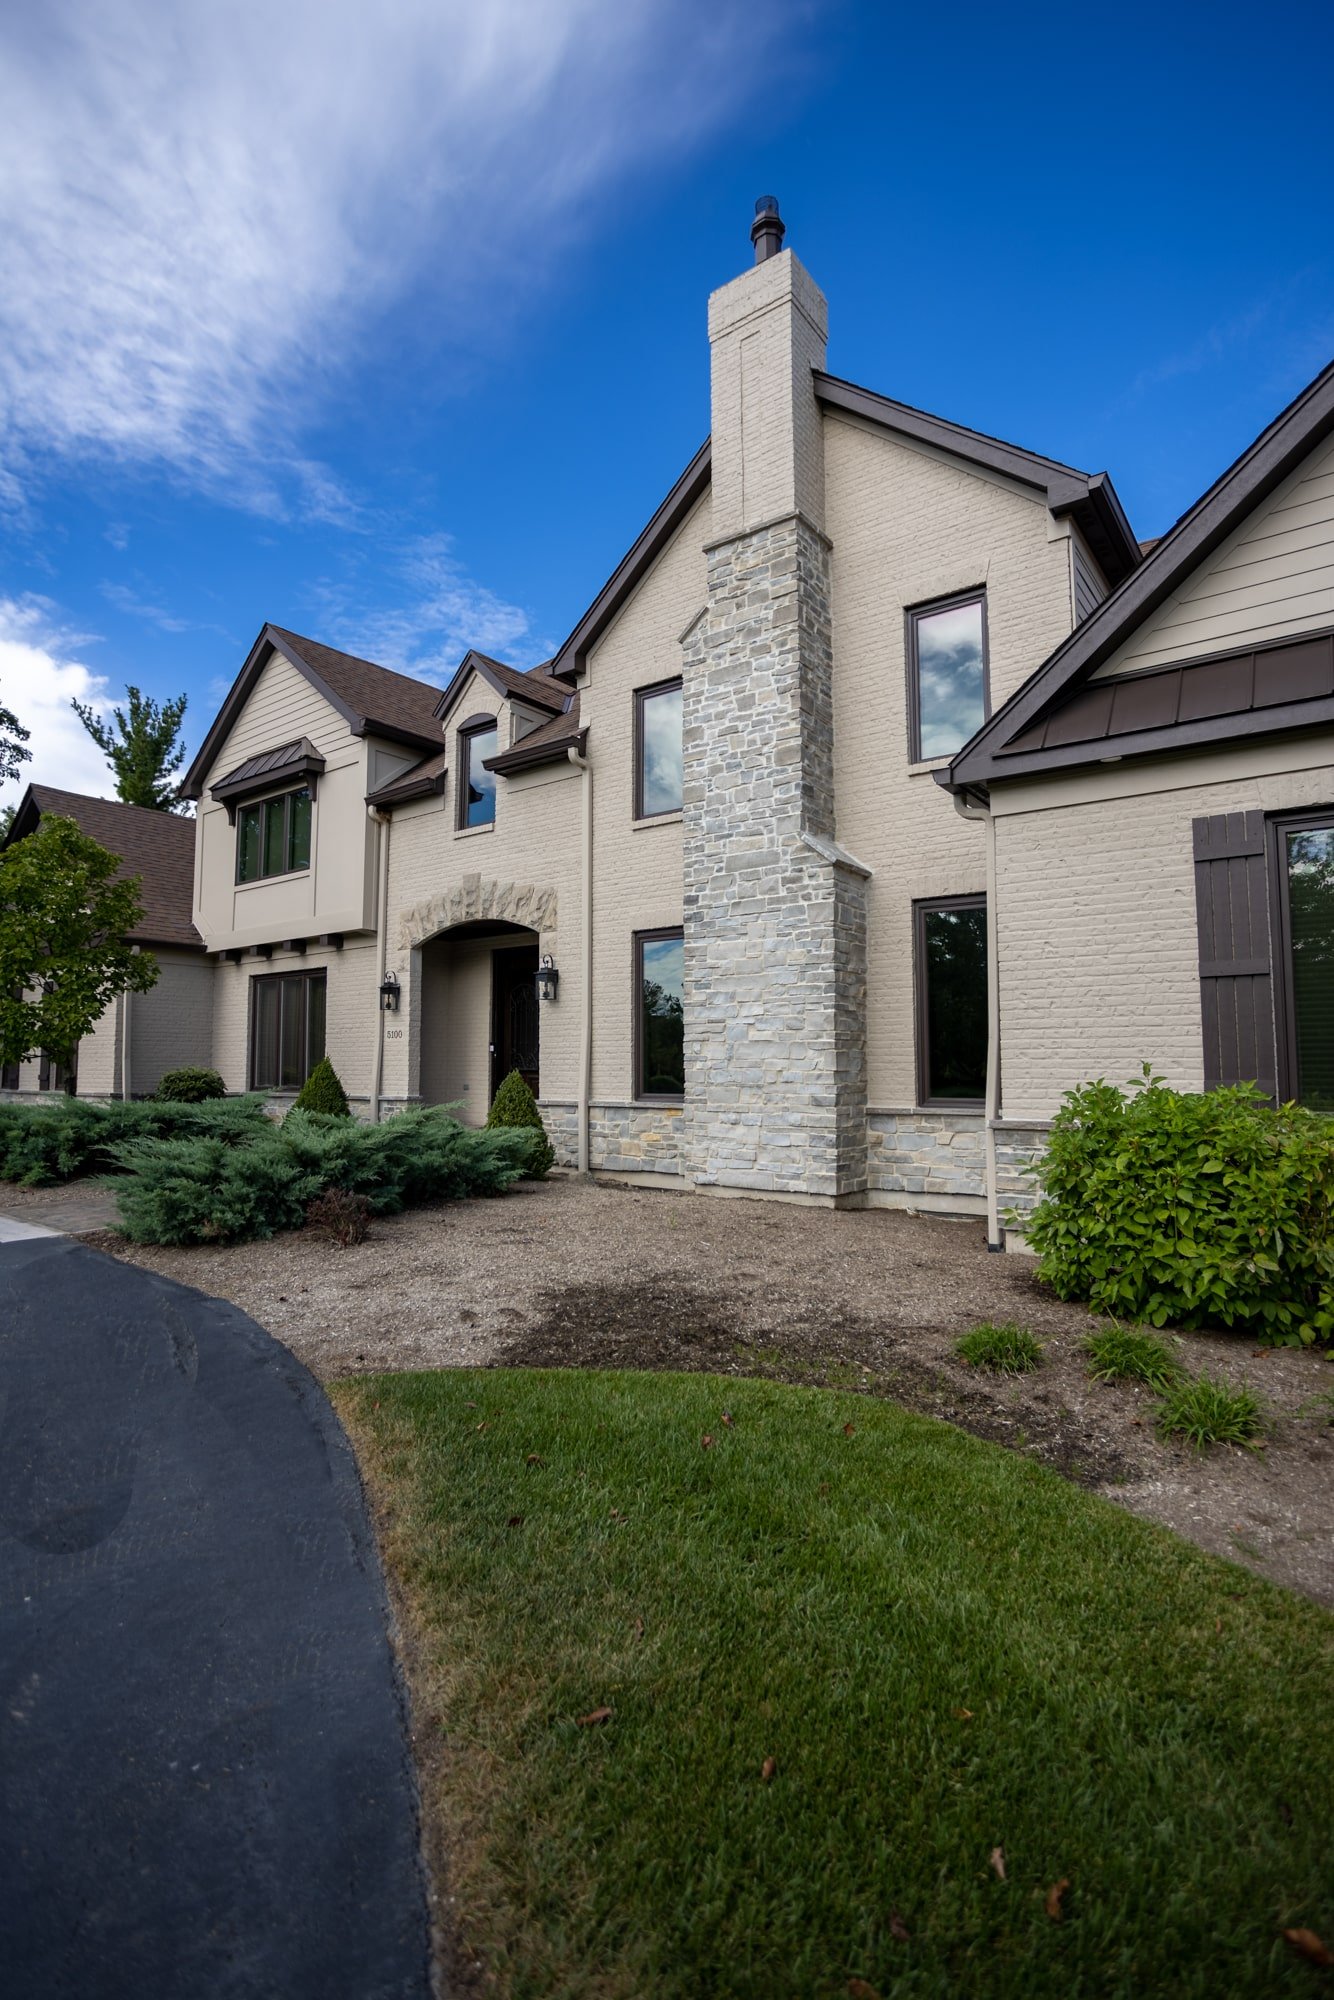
x=63, y=955
x=323, y=1091
x=13, y=737
x=144, y=749
x=514, y=1108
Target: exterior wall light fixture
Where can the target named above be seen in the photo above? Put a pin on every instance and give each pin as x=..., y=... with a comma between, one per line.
x=389, y=993
x=547, y=978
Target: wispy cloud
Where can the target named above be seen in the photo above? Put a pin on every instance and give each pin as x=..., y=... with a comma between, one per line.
x=39, y=677
x=419, y=610
x=204, y=208
x=121, y=598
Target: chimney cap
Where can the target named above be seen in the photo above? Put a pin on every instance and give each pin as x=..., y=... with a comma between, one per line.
x=768, y=229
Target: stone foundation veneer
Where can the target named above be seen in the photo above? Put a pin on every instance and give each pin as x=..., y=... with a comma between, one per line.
x=926, y=1152
x=1018, y=1144
x=622, y=1138
x=775, y=916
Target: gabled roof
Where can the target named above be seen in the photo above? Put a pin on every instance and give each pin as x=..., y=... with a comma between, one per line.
x=1018, y=738
x=372, y=700
x=159, y=847
x=1089, y=498
x=535, y=686
x=638, y=558
x=545, y=745
x=419, y=781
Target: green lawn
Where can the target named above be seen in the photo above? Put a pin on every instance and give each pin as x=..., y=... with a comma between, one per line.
x=944, y=1649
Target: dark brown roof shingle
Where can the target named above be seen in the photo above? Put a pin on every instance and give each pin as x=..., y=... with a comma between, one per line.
x=159, y=847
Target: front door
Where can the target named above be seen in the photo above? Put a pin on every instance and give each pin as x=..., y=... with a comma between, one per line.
x=514, y=1034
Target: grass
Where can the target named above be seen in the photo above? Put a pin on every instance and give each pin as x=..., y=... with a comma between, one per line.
x=1205, y=1410
x=1126, y=1354
x=1007, y=1349
x=944, y=1648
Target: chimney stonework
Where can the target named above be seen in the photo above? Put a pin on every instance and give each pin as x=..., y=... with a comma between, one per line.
x=775, y=915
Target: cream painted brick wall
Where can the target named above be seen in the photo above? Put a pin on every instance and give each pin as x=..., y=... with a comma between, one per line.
x=908, y=527
x=767, y=331
x=456, y=1027
x=171, y=1026
x=1098, y=956
x=99, y=1053
x=636, y=871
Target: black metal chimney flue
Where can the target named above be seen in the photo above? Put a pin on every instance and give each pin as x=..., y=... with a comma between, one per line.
x=768, y=229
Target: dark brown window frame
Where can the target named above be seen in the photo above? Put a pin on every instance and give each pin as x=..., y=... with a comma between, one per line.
x=921, y=1023
x=641, y=696
x=913, y=613
x=475, y=726
x=260, y=805
x=1277, y=825
x=638, y=1093
x=308, y=978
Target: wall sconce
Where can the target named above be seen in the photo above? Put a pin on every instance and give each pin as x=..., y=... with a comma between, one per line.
x=547, y=978
x=389, y=993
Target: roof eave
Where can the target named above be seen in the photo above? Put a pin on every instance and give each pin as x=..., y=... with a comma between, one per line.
x=572, y=658
x=524, y=758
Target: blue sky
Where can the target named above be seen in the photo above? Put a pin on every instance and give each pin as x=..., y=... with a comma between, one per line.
x=389, y=324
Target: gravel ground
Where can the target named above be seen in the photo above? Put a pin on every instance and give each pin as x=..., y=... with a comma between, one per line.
x=565, y=1274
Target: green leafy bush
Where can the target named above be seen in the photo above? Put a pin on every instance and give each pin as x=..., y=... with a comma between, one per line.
x=42, y=1143
x=189, y=1086
x=202, y=1191
x=323, y=1092
x=1008, y=1349
x=515, y=1107
x=1126, y=1354
x=1204, y=1411
x=1207, y=1209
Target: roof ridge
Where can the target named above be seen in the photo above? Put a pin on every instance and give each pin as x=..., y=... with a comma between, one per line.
x=121, y=805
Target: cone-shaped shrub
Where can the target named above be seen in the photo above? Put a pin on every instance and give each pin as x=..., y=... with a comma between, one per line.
x=322, y=1092
x=515, y=1105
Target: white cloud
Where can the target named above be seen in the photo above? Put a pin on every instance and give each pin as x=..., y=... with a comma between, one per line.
x=39, y=677
x=202, y=208
x=431, y=623
x=121, y=598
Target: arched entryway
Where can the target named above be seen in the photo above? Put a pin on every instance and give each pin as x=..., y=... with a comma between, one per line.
x=479, y=1013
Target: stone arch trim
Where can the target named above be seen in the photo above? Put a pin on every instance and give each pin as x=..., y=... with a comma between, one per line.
x=475, y=899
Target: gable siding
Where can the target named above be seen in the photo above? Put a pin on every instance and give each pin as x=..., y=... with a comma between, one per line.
x=282, y=706
x=1086, y=580
x=1273, y=577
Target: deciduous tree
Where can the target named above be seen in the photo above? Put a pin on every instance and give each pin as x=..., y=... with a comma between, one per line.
x=63, y=951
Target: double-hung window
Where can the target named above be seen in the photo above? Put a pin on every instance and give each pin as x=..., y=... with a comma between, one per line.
x=660, y=1062
x=948, y=696
x=286, y=1028
x=658, y=750
x=477, y=785
x=951, y=972
x=1306, y=959
x=273, y=836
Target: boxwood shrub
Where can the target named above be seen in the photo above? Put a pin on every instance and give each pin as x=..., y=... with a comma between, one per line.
x=189, y=1086
x=1199, y=1209
x=200, y=1190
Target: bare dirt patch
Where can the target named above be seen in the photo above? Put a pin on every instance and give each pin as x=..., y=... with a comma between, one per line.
x=569, y=1275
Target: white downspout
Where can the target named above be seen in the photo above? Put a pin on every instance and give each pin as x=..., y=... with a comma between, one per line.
x=995, y=1239
x=586, y=1020
x=384, y=821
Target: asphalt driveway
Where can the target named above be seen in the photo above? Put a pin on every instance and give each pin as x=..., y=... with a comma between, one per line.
x=205, y=1783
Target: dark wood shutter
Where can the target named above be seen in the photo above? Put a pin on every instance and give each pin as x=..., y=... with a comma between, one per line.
x=1236, y=972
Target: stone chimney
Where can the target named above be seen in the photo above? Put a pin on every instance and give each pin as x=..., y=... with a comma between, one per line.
x=775, y=920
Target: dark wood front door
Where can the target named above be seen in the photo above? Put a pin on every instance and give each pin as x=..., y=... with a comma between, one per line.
x=514, y=1031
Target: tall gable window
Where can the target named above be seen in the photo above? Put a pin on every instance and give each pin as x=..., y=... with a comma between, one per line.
x=1306, y=917
x=951, y=966
x=660, y=1064
x=477, y=786
x=658, y=750
x=273, y=836
x=947, y=674
x=286, y=1028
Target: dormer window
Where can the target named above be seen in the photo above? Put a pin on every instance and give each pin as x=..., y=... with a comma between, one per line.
x=273, y=836
x=476, y=785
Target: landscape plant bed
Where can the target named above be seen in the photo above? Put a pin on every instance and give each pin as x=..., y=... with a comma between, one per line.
x=729, y=1687
x=572, y=1275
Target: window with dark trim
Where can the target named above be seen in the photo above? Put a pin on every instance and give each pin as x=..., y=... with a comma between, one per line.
x=477, y=786
x=658, y=750
x=1305, y=957
x=949, y=696
x=286, y=1028
x=660, y=1058
x=273, y=836
x=950, y=957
